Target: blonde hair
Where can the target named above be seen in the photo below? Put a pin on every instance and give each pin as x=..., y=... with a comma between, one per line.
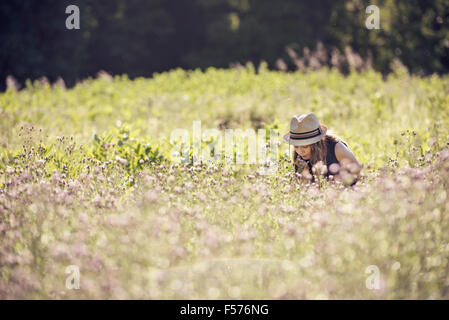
x=318, y=150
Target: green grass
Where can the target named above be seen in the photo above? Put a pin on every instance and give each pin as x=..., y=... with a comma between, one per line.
x=86, y=179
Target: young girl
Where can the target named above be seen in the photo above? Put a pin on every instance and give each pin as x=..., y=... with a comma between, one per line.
x=312, y=144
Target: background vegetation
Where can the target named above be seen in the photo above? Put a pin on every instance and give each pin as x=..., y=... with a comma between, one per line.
x=139, y=37
x=86, y=179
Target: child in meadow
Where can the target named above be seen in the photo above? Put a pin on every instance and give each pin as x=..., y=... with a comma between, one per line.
x=315, y=148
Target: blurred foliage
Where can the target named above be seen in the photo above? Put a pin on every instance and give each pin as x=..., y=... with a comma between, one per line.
x=206, y=232
x=86, y=180
x=367, y=111
x=121, y=145
x=139, y=37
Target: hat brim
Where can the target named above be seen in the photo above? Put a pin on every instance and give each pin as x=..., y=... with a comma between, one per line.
x=305, y=142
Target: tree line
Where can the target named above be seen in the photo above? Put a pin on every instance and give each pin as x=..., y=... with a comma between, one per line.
x=140, y=37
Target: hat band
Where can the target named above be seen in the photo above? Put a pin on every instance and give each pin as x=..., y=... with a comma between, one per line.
x=305, y=135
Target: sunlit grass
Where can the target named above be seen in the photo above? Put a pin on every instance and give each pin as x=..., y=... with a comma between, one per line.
x=85, y=180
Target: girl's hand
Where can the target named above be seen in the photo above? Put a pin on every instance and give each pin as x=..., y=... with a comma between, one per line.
x=300, y=164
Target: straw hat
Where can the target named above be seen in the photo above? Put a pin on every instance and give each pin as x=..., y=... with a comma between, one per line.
x=305, y=129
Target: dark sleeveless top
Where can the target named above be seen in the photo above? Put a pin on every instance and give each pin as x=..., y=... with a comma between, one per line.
x=330, y=154
x=331, y=158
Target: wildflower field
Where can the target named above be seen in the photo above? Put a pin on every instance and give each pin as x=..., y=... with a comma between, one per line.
x=87, y=179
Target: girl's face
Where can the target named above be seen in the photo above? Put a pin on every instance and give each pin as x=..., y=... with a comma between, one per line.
x=303, y=151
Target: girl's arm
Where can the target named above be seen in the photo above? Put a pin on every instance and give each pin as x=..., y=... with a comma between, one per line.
x=347, y=158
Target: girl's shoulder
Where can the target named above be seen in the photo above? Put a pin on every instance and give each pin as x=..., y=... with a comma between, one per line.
x=342, y=151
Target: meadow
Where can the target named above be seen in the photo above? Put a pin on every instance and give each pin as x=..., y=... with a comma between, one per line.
x=87, y=179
